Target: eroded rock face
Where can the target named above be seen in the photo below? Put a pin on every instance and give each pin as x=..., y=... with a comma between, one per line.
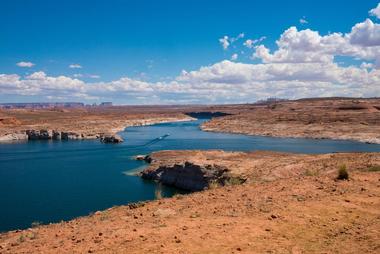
x=56, y=135
x=111, y=139
x=39, y=134
x=188, y=176
x=45, y=134
x=70, y=135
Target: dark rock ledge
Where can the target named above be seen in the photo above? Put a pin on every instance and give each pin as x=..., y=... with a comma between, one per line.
x=189, y=176
x=46, y=134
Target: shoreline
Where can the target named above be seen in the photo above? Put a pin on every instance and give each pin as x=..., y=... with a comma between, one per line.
x=375, y=141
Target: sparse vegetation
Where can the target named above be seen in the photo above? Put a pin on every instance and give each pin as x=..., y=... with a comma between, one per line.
x=21, y=239
x=234, y=181
x=342, y=173
x=178, y=196
x=31, y=235
x=374, y=168
x=309, y=172
x=213, y=184
x=104, y=217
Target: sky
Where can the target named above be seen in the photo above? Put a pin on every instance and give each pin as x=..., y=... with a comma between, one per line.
x=187, y=52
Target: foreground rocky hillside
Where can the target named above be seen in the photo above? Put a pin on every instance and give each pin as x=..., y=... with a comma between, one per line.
x=333, y=118
x=289, y=203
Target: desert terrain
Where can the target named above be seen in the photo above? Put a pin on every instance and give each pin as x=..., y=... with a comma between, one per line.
x=81, y=123
x=347, y=119
x=288, y=203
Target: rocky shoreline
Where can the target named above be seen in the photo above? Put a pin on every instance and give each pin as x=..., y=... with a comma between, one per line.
x=196, y=170
x=268, y=133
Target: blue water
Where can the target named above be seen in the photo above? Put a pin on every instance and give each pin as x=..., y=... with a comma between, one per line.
x=50, y=181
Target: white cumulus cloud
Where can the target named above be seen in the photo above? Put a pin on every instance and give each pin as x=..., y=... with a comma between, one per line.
x=250, y=43
x=375, y=11
x=303, y=21
x=226, y=41
x=366, y=34
x=296, y=46
x=365, y=65
x=75, y=66
x=25, y=64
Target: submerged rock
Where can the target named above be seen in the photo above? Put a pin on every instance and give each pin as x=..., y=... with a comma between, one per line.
x=111, y=139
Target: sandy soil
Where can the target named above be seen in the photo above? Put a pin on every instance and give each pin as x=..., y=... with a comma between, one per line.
x=299, y=208
x=354, y=119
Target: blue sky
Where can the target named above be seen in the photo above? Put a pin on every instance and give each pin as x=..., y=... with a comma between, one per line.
x=153, y=41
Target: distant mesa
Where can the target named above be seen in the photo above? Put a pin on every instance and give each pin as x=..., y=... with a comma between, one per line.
x=42, y=105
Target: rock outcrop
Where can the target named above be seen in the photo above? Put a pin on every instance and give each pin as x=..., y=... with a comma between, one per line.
x=57, y=135
x=141, y=157
x=46, y=134
x=53, y=134
x=188, y=176
x=39, y=134
x=171, y=168
x=111, y=139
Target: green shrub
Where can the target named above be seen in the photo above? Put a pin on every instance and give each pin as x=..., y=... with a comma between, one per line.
x=21, y=239
x=374, y=168
x=213, y=184
x=343, y=173
x=309, y=172
x=234, y=181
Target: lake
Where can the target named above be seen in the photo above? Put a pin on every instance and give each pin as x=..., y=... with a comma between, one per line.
x=50, y=181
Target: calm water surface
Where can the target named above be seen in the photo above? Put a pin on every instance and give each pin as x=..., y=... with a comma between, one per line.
x=50, y=181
